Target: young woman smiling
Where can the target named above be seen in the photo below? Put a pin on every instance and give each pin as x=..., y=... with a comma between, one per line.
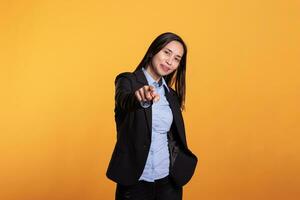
x=151, y=159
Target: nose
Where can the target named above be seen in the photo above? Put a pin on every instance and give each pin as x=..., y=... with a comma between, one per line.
x=168, y=61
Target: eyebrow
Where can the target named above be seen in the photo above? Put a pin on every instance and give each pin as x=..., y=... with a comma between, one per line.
x=172, y=52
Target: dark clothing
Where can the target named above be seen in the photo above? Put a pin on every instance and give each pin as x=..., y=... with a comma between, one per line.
x=134, y=124
x=161, y=189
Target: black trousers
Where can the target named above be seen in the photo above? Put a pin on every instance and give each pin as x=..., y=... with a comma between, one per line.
x=161, y=189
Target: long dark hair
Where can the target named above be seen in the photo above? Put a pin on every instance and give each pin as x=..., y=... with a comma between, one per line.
x=178, y=76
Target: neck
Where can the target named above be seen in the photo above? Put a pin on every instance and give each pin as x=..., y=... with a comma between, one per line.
x=154, y=75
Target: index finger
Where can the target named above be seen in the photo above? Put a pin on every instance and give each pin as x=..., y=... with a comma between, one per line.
x=152, y=88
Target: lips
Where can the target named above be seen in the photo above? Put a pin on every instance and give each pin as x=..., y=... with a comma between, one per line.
x=165, y=68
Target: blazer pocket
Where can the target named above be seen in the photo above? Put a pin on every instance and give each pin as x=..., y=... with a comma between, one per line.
x=183, y=168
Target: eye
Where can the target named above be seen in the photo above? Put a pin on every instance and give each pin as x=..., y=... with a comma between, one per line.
x=167, y=52
x=177, y=59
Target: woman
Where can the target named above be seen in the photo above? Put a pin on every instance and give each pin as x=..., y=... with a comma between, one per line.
x=151, y=159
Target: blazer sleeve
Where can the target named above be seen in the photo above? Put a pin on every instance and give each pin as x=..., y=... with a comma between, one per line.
x=124, y=95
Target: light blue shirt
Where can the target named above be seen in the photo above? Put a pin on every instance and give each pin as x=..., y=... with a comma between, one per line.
x=158, y=160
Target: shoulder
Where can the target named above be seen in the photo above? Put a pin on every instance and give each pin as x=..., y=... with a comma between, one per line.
x=127, y=75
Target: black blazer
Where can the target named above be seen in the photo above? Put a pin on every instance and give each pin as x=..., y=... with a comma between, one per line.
x=134, y=125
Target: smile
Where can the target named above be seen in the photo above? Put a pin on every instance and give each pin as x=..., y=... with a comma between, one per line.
x=165, y=68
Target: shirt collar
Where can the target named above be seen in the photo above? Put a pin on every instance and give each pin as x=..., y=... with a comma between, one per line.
x=151, y=80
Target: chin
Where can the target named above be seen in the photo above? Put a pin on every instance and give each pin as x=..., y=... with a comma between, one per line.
x=166, y=73
x=162, y=73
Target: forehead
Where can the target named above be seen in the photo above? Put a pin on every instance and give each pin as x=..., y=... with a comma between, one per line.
x=176, y=47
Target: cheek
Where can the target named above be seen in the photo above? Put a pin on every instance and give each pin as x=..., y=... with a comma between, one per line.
x=172, y=70
x=156, y=61
x=175, y=67
x=160, y=57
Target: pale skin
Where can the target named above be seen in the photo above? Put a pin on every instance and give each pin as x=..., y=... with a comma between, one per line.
x=163, y=63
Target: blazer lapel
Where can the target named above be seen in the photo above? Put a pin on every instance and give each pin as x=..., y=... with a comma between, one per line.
x=141, y=79
x=176, y=115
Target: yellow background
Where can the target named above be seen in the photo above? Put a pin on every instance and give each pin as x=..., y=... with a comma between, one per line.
x=58, y=61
